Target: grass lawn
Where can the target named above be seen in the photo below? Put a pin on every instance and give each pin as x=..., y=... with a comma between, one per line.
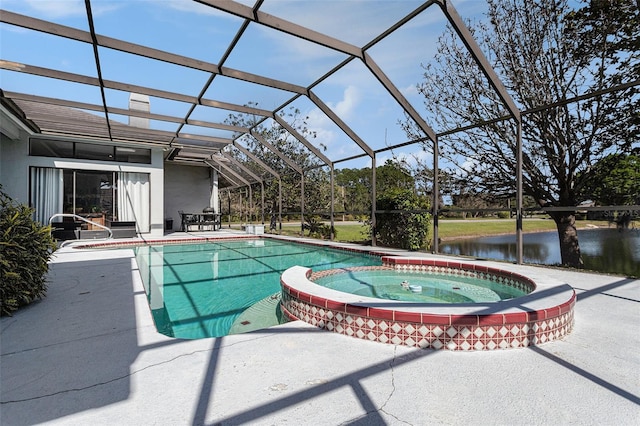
x=350, y=232
x=452, y=229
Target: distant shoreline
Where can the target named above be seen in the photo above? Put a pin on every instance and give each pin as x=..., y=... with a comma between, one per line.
x=536, y=231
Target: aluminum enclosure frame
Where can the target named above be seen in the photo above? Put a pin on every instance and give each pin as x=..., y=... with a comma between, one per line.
x=199, y=145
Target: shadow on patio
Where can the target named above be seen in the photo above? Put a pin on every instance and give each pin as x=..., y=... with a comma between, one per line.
x=59, y=353
x=89, y=353
x=372, y=412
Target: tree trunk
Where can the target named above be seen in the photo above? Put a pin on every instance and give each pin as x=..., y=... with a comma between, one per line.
x=569, y=246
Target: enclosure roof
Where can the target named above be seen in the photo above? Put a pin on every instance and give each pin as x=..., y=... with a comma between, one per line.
x=70, y=71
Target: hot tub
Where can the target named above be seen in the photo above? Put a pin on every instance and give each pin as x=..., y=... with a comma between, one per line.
x=543, y=315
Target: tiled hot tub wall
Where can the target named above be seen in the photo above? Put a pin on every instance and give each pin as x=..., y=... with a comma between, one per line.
x=479, y=331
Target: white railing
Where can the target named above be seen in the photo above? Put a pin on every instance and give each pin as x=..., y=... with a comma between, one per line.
x=84, y=219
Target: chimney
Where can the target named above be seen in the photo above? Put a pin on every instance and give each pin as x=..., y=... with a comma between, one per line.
x=139, y=102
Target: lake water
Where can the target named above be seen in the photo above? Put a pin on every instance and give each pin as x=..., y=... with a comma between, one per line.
x=603, y=250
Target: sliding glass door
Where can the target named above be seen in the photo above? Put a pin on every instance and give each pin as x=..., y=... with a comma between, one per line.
x=90, y=194
x=100, y=196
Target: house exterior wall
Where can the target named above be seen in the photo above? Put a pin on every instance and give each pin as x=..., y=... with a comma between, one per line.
x=173, y=187
x=15, y=176
x=187, y=188
x=13, y=153
x=15, y=163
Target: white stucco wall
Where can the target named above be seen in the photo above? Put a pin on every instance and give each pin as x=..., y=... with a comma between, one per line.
x=187, y=188
x=15, y=177
x=14, y=172
x=173, y=187
x=15, y=163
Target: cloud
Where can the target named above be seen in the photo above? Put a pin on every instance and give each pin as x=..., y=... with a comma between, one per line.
x=415, y=157
x=193, y=7
x=356, y=22
x=298, y=49
x=469, y=165
x=409, y=91
x=338, y=144
x=348, y=104
x=58, y=8
x=328, y=133
x=314, y=15
x=321, y=125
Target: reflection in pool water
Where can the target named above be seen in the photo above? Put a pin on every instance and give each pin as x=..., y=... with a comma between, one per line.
x=603, y=250
x=202, y=290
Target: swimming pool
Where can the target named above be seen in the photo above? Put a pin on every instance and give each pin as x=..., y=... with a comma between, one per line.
x=212, y=289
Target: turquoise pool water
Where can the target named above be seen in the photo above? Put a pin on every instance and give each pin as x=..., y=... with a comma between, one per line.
x=203, y=290
x=433, y=288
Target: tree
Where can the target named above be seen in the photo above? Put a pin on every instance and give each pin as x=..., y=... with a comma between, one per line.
x=357, y=183
x=394, y=175
x=400, y=223
x=544, y=52
x=407, y=229
x=470, y=200
x=316, y=182
x=614, y=180
x=354, y=190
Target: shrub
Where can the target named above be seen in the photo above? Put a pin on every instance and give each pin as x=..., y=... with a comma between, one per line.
x=408, y=230
x=25, y=248
x=317, y=228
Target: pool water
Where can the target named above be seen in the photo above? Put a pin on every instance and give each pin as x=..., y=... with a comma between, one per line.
x=203, y=290
x=435, y=288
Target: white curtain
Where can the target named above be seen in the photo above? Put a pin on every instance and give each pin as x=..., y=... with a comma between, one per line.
x=134, y=199
x=47, y=193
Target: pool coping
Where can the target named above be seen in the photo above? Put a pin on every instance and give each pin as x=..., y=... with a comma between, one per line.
x=544, y=315
x=126, y=243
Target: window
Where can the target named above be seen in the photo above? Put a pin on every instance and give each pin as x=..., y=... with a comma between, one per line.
x=88, y=151
x=49, y=148
x=133, y=155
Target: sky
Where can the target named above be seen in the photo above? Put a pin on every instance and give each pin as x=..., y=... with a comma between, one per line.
x=200, y=32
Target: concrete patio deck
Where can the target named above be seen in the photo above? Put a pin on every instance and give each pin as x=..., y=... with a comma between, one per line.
x=89, y=354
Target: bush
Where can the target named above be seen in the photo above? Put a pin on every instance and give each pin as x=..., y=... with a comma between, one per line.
x=25, y=248
x=318, y=229
x=406, y=230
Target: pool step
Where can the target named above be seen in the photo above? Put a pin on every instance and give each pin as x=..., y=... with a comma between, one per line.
x=265, y=313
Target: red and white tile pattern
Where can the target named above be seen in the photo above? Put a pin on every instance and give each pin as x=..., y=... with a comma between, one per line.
x=435, y=331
